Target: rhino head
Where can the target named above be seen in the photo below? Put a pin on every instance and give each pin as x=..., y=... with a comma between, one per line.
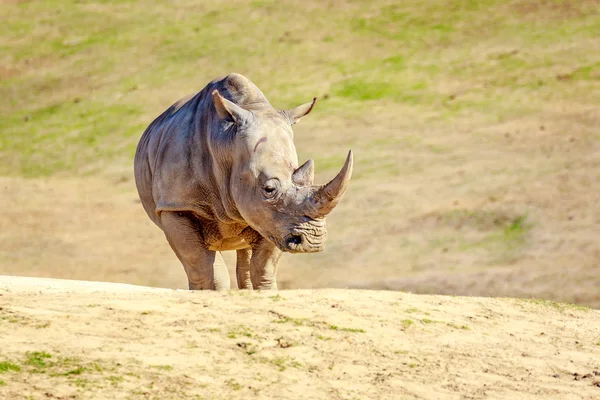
x=274, y=195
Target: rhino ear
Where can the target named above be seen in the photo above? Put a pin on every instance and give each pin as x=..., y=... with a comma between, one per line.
x=297, y=113
x=229, y=110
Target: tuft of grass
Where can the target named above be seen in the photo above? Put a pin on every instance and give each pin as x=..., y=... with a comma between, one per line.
x=295, y=321
x=455, y=326
x=556, y=305
x=38, y=359
x=342, y=329
x=407, y=323
x=517, y=229
x=76, y=371
x=115, y=380
x=6, y=366
x=240, y=330
x=2, y=383
x=234, y=385
x=82, y=383
x=280, y=362
x=277, y=297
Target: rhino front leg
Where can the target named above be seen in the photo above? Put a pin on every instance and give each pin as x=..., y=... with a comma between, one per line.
x=263, y=265
x=242, y=269
x=205, y=268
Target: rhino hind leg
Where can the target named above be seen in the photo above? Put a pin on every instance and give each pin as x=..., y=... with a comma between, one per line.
x=221, y=274
x=205, y=268
x=242, y=269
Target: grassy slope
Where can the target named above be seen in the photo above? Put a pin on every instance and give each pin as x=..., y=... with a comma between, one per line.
x=474, y=122
x=81, y=79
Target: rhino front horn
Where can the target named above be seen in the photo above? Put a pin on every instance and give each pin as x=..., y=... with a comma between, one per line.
x=328, y=196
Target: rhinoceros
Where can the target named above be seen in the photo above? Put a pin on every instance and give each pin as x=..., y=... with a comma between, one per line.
x=219, y=171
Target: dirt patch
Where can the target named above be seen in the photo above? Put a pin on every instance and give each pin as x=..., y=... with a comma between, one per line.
x=69, y=339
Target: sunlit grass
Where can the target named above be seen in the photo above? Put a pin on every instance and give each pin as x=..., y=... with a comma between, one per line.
x=81, y=79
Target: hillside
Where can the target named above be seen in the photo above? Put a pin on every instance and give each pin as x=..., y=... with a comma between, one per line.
x=72, y=340
x=474, y=126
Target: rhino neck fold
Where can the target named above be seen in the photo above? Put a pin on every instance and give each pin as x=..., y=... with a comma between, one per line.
x=214, y=161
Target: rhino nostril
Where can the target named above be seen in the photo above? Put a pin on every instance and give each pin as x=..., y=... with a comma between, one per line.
x=294, y=239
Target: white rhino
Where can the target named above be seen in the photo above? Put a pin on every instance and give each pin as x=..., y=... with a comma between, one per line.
x=219, y=171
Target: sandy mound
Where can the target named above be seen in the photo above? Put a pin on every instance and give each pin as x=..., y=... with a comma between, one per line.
x=80, y=340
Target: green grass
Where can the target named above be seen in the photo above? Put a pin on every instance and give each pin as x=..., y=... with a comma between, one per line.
x=74, y=100
x=406, y=323
x=342, y=329
x=282, y=362
x=38, y=359
x=83, y=374
x=234, y=385
x=76, y=371
x=555, y=305
x=455, y=326
x=282, y=319
x=295, y=321
x=240, y=331
x=6, y=366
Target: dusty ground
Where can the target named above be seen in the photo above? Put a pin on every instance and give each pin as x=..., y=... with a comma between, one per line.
x=78, y=340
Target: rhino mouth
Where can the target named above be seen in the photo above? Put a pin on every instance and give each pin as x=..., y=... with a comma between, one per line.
x=309, y=237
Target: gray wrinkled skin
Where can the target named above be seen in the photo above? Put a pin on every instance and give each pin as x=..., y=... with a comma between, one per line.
x=219, y=171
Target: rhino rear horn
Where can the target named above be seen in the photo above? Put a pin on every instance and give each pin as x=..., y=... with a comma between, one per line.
x=329, y=195
x=229, y=110
x=305, y=175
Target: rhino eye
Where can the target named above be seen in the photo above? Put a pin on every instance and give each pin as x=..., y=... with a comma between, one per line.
x=270, y=189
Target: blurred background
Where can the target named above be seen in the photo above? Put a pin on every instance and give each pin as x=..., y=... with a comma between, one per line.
x=475, y=126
